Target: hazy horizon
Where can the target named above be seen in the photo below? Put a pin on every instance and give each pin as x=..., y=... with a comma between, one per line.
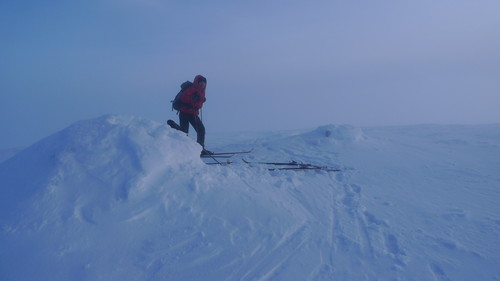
x=270, y=65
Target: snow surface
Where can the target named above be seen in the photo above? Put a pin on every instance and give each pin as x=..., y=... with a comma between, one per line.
x=8, y=153
x=126, y=198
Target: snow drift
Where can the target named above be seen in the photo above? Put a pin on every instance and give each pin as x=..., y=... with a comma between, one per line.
x=126, y=198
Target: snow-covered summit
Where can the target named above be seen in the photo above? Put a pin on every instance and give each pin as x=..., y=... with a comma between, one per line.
x=126, y=198
x=106, y=153
x=109, y=137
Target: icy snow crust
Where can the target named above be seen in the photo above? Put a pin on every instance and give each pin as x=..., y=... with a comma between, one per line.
x=126, y=198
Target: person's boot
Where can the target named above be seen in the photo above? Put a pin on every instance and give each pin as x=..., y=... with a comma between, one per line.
x=174, y=125
x=205, y=152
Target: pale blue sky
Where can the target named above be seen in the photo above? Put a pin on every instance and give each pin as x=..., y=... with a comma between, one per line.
x=269, y=64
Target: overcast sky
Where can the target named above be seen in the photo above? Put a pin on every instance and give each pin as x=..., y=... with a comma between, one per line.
x=270, y=65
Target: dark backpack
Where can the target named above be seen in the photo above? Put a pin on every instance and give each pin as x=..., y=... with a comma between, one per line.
x=177, y=103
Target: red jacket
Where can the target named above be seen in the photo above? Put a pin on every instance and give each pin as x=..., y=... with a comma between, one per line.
x=193, y=98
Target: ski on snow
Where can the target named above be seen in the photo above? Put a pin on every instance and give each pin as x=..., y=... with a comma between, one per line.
x=217, y=156
x=294, y=166
x=272, y=166
x=223, y=154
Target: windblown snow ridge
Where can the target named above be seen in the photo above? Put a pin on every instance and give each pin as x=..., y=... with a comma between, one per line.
x=106, y=153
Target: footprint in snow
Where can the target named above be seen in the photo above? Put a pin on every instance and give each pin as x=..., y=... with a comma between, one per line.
x=438, y=272
x=392, y=244
x=455, y=214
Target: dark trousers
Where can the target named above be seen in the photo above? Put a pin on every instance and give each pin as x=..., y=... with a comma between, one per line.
x=195, y=121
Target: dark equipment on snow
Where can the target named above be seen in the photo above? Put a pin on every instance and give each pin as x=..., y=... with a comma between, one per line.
x=177, y=102
x=295, y=166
